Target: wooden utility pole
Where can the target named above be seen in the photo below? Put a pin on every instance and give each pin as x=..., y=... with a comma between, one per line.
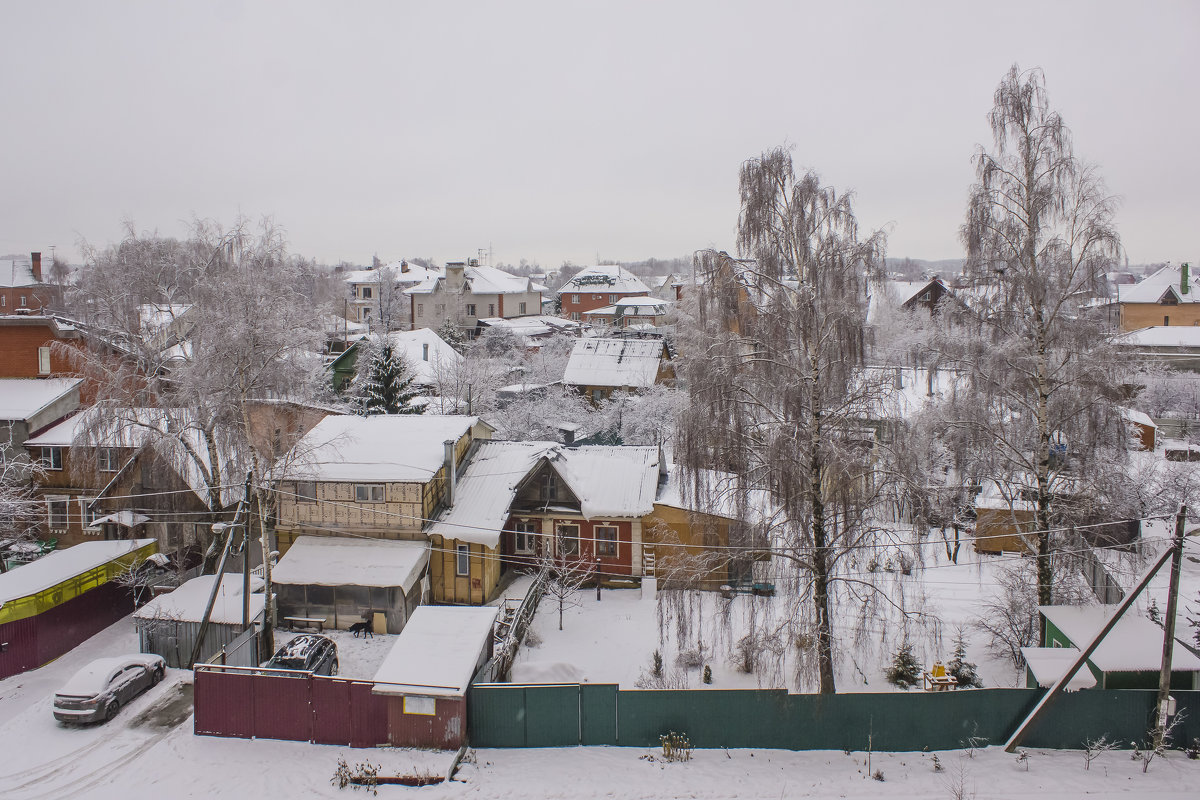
x=1164, y=675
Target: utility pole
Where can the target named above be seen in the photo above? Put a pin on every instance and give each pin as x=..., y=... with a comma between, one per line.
x=268, y=633
x=1164, y=675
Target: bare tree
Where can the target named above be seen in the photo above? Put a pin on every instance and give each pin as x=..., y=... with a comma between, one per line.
x=563, y=576
x=1039, y=240
x=20, y=507
x=774, y=372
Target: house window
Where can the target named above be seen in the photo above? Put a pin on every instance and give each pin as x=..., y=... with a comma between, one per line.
x=3, y=300
x=606, y=541
x=366, y=314
x=366, y=293
x=86, y=517
x=925, y=298
x=368, y=492
x=491, y=309
x=568, y=540
x=598, y=395
x=306, y=491
x=1166, y=320
x=51, y=458
x=470, y=309
x=521, y=308
x=23, y=303
x=575, y=316
x=43, y=361
x=612, y=299
x=108, y=459
x=424, y=352
x=462, y=564
x=575, y=298
x=526, y=533
x=416, y=704
x=420, y=309
x=56, y=508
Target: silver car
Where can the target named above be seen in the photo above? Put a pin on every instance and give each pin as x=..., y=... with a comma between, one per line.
x=99, y=690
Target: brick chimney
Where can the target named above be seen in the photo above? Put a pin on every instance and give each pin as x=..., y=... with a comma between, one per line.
x=35, y=260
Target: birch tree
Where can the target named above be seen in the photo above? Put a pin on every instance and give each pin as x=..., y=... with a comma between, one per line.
x=1039, y=236
x=777, y=390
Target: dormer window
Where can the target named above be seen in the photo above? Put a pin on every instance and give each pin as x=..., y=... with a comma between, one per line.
x=1169, y=298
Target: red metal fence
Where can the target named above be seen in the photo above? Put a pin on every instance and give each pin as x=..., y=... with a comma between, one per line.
x=281, y=704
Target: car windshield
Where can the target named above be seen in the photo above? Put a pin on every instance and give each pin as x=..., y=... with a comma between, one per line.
x=295, y=653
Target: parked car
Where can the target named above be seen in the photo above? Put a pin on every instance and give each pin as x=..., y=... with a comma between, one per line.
x=309, y=652
x=99, y=690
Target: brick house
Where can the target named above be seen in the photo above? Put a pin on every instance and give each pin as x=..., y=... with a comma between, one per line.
x=467, y=293
x=596, y=287
x=1164, y=298
x=22, y=288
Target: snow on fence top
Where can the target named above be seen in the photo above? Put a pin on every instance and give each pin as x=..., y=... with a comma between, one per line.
x=397, y=448
x=1049, y=663
x=62, y=565
x=437, y=652
x=187, y=603
x=341, y=561
x=614, y=362
x=1133, y=645
x=21, y=398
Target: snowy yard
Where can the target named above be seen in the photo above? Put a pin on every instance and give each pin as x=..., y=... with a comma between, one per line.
x=358, y=657
x=613, y=640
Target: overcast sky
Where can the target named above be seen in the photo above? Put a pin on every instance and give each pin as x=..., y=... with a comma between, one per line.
x=560, y=130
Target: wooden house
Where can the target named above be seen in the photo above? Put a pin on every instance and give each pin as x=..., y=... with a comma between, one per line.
x=1164, y=298
x=598, y=367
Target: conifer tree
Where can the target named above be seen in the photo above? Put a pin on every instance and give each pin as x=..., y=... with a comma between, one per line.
x=959, y=668
x=387, y=385
x=905, y=671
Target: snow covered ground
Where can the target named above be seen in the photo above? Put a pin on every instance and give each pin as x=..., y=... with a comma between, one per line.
x=613, y=640
x=358, y=657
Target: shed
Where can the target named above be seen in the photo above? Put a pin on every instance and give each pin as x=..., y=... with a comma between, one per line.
x=1044, y=666
x=425, y=676
x=169, y=624
x=1003, y=525
x=1130, y=655
x=349, y=580
x=53, y=604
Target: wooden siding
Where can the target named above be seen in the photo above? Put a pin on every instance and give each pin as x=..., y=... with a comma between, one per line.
x=1143, y=315
x=999, y=530
x=475, y=588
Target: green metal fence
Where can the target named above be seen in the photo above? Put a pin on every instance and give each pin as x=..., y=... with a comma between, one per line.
x=564, y=715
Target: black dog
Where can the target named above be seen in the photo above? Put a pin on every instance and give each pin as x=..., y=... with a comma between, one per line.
x=364, y=628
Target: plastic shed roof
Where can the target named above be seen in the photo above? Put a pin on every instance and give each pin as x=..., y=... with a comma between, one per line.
x=187, y=602
x=436, y=653
x=62, y=565
x=341, y=561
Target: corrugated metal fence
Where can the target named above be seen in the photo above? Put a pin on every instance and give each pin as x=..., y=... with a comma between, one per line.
x=282, y=704
x=509, y=715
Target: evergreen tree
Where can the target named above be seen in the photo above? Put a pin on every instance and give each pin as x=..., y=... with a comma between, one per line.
x=387, y=384
x=452, y=335
x=959, y=668
x=905, y=671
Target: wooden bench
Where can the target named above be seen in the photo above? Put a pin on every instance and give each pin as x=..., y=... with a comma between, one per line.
x=938, y=680
x=307, y=622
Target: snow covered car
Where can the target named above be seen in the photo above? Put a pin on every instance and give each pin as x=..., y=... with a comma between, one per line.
x=309, y=652
x=98, y=690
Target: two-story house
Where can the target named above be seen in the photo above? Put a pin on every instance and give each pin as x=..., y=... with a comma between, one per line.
x=596, y=287
x=366, y=292
x=22, y=288
x=1164, y=298
x=468, y=292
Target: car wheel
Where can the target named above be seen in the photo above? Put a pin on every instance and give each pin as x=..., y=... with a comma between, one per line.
x=156, y=676
x=111, y=709
x=334, y=669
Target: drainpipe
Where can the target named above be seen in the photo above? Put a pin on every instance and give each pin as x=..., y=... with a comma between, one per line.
x=451, y=476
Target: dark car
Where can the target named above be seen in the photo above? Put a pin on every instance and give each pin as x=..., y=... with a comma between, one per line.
x=99, y=690
x=308, y=652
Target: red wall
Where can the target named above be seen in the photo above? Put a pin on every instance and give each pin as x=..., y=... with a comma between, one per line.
x=446, y=729
x=591, y=300
x=621, y=564
x=34, y=641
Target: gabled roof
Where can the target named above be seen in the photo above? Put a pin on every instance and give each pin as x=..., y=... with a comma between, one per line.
x=483, y=280
x=608, y=481
x=1133, y=645
x=23, y=398
x=413, y=274
x=187, y=602
x=382, y=448
x=715, y=493
x=615, y=362
x=1049, y=663
x=16, y=273
x=413, y=346
x=607, y=278
x=1153, y=287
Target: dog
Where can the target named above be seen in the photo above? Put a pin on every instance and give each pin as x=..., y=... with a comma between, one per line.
x=364, y=628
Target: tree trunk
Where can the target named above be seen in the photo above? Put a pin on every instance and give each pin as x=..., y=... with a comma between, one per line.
x=819, y=556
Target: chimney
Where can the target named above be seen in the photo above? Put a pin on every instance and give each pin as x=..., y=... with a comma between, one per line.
x=403, y=267
x=451, y=476
x=568, y=430
x=35, y=260
x=1183, y=277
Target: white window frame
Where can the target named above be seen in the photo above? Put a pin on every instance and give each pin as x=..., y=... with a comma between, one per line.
x=51, y=455
x=24, y=301
x=521, y=308
x=108, y=459
x=470, y=309
x=368, y=493
x=616, y=541
x=575, y=298
x=43, y=361
x=525, y=535
x=612, y=299
x=85, y=519
x=66, y=514
x=562, y=540
x=462, y=560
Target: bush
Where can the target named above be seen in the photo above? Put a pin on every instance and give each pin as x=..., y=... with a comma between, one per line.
x=707, y=674
x=690, y=659
x=656, y=670
x=905, y=671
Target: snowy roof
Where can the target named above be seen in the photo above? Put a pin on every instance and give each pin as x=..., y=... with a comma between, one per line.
x=483, y=280
x=397, y=448
x=126, y=519
x=437, y=652
x=533, y=325
x=337, y=325
x=1049, y=663
x=404, y=275
x=426, y=352
x=1160, y=336
x=16, y=272
x=62, y=565
x=609, y=482
x=341, y=561
x=716, y=494
x=608, y=278
x=633, y=306
x=154, y=316
x=1133, y=645
x=22, y=398
x=614, y=362
x=901, y=392
x=1152, y=288
x=485, y=490
x=1137, y=417
x=187, y=603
